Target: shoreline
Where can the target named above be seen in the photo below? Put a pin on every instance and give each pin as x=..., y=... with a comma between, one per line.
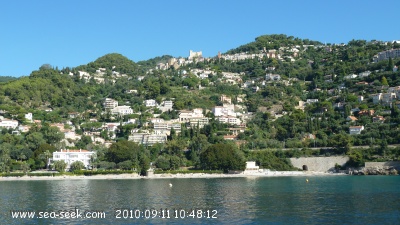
x=172, y=176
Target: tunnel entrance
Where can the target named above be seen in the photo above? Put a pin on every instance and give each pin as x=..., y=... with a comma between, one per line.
x=305, y=167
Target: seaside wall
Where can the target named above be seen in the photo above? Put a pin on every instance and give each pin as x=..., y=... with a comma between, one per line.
x=394, y=164
x=319, y=164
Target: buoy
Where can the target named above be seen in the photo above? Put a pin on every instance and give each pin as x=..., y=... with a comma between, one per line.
x=170, y=185
x=307, y=180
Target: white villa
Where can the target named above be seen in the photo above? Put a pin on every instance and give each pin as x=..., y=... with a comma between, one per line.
x=122, y=110
x=7, y=123
x=355, y=129
x=110, y=103
x=150, y=103
x=70, y=156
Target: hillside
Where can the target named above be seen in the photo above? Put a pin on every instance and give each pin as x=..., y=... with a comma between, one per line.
x=112, y=62
x=269, y=42
x=276, y=92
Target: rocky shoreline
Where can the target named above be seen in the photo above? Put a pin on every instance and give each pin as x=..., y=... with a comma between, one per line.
x=374, y=171
x=167, y=176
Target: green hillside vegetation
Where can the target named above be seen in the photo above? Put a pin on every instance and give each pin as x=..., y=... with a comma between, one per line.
x=4, y=79
x=269, y=42
x=276, y=122
x=151, y=63
x=112, y=62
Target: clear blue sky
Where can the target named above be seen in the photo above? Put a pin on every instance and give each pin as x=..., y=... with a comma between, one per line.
x=75, y=32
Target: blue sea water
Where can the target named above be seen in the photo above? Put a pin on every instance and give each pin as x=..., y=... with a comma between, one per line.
x=272, y=200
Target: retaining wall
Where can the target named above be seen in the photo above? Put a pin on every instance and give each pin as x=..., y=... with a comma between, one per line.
x=319, y=164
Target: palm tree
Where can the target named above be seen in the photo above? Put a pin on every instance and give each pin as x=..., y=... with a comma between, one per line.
x=46, y=157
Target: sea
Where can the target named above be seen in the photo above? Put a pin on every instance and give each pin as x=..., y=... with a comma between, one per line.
x=262, y=200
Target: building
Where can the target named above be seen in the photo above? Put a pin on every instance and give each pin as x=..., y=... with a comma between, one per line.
x=148, y=139
x=353, y=130
x=376, y=98
x=388, y=98
x=166, y=105
x=122, y=110
x=225, y=99
x=29, y=117
x=193, y=55
x=351, y=118
x=165, y=127
x=70, y=156
x=8, y=124
x=251, y=167
x=310, y=101
x=185, y=116
x=229, y=120
x=364, y=74
x=378, y=119
x=150, y=103
x=272, y=77
x=198, y=121
x=226, y=110
x=110, y=103
x=394, y=53
x=351, y=76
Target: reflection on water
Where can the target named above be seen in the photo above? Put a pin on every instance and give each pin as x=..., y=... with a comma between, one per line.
x=277, y=200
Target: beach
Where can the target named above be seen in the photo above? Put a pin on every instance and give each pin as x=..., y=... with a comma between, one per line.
x=168, y=176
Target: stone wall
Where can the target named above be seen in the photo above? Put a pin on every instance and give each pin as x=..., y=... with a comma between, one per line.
x=319, y=164
x=394, y=164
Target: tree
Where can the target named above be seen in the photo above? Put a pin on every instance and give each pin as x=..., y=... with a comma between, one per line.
x=45, y=156
x=341, y=141
x=175, y=147
x=163, y=162
x=390, y=64
x=222, y=157
x=125, y=165
x=52, y=134
x=144, y=163
x=34, y=140
x=25, y=167
x=384, y=81
x=60, y=165
x=84, y=141
x=123, y=150
x=77, y=165
x=175, y=162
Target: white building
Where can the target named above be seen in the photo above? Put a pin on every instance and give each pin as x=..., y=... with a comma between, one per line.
x=229, y=120
x=223, y=111
x=8, y=124
x=351, y=76
x=150, y=103
x=70, y=156
x=122, y=110
x=364, y=74
x=29, y=117
x=355, y=129
x=148, y=139
x=310, y=101
x=251, y=168
x=274, y=77
x=166, y=105
x=185, y=116
x=110, y=103
x=193, y=54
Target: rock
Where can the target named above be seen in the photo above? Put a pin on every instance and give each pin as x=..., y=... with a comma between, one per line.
x=393, y=171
